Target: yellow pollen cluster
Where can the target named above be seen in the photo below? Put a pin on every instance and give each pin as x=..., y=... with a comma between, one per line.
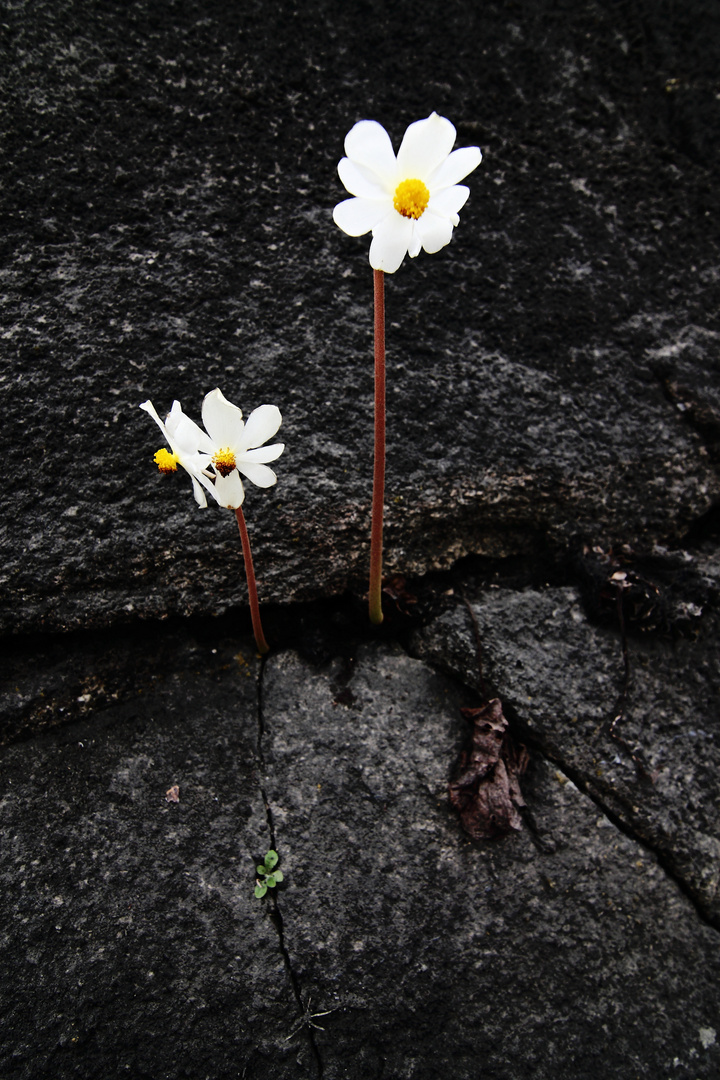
x=411, y=198
x=224, y=461
x=165, y=461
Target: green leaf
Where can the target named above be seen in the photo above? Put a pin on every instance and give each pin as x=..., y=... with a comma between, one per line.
x=271, y=859
x=260, y=891
x=261, y=869
x=278, y=875
x=270, y=881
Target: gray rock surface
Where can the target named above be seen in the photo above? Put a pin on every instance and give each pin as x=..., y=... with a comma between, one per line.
x=553, y=415
x=132, y=941
x=562, y=678
x=422, y=939
x=167, y=228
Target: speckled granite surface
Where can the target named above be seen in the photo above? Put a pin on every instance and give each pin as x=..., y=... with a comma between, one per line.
x=553, y=413
x=169, y=180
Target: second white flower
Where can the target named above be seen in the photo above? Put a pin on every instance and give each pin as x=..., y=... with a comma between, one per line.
x=236, y=447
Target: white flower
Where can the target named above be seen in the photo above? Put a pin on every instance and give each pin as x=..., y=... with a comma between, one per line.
x=409, y=202
x=236, y=447
x=229, y=445
x=184, y=438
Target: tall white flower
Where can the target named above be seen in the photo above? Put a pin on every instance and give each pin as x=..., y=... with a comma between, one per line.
x=236, y=447
x=409, y=202
x=184, y=439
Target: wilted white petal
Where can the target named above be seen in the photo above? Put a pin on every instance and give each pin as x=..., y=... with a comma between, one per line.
x=425, y=145
x=368, y=144
x=359, y=181
x=186, y=433
x=358, y=216
x=196, y=464
x=455, y=167
x=265, y=453
x=260, y=475
x=198, y=492
x=150, y=409
x=190, y=460
x=229, y=490
x=262, y=424
x=390, y=243
x=222, y=420
x=435, y=232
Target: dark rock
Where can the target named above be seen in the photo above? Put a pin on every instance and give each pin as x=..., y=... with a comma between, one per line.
x=563, y=679
x=553, y=412
x=169, y=181
x=542, y=955
x=414, y=951
x=132, y=940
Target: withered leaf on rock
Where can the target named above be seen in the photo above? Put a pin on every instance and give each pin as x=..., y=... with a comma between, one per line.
x=486, y=787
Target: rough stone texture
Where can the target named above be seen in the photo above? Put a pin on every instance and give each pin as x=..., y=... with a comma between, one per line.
x=553, y=407
x=169, y=179
x=568, y=953
x=562, y=678
x=132, y=943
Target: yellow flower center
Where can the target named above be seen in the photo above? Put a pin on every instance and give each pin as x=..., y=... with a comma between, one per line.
x=224, y=461
x=165, y=461
x=411, y=198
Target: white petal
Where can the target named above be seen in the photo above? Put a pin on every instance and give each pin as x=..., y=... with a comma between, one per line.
x=185, y=433
x=391, y=241
x=173, y=417
x=455, y=167
x=229, y=490
x=265, y=453
x=195, y=464
x=415, y=243
x=150, y=409
x=199, y=494
x=192, y=462
x=183, y=453
x=447, y=202
x=368, y=144
x=358, y=216
x=435, y=232
x=222, y=420
x=262, y=424
x=258, y=474
x=359, y=181
x=425, y=145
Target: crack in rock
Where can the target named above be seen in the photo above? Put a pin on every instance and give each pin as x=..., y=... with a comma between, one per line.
x=556, y=673
x=275, y=913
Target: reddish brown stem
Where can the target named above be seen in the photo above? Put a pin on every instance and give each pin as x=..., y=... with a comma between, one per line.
x=376, y=529
x=252, y=588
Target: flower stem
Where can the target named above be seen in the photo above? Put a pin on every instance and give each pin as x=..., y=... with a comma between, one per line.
x=376, y=529
x=252, y=588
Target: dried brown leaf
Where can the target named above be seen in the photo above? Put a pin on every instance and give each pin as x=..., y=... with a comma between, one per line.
x=486, y=788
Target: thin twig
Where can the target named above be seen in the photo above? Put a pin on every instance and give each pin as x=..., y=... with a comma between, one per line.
x=306, y=1020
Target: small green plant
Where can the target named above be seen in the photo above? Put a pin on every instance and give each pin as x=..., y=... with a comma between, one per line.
x=268, y=876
